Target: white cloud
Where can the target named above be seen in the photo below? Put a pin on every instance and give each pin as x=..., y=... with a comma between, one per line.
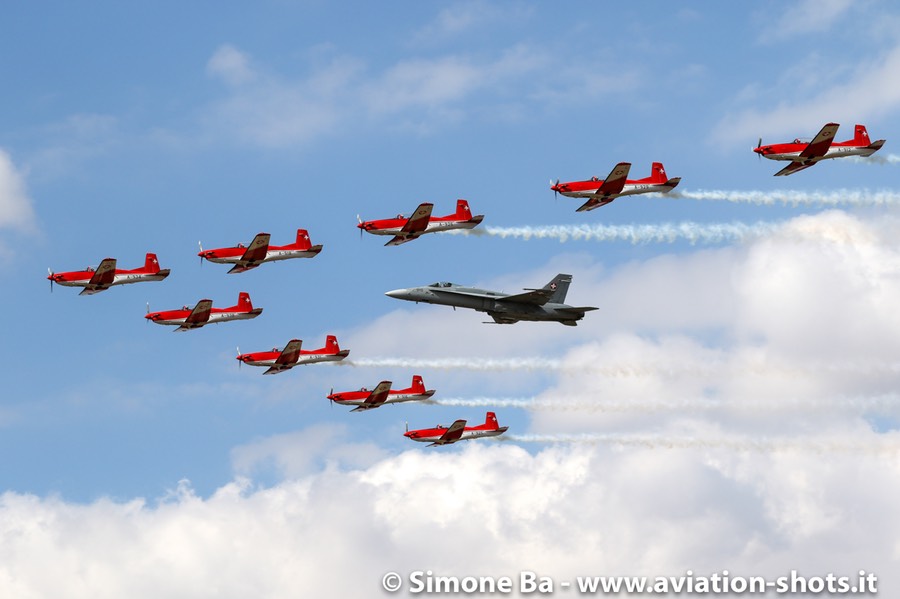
x=869, y=91
x=16, y=211
x=763, y=488
x=806, y=16
x=421, y=94
x=485, y=510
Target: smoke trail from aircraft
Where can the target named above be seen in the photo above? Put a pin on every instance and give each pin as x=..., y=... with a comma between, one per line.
x=879, y=403
x=656, y=441
x=692, y=232
x=705, y=367
x=839, y=197
x=878, y=159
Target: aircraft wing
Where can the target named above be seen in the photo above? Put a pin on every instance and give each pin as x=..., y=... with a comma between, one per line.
x=290, y=353
x=377, y=397
x=254, y=255
x=102, y=277
x=615, y=182
x=792, y=168
x=820, y=143
x=414, y=226
x=452, y=434
x=419, y=220
x=594, y=203
x=538, y=297
x=198, y=317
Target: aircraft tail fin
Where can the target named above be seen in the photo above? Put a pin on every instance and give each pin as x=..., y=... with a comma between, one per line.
x=331, y=343
x=658, y=173
x=462, y=210
x=303, y=242
x=491, y=421
x=560, y=287
x=244, y=301
x=418, y=386
x=861, y=136
x=151, y=263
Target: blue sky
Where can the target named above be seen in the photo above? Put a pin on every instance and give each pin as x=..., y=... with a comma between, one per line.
x=131, y=129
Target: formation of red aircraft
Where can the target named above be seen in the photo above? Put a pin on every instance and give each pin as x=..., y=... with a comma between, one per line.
x=598, y=192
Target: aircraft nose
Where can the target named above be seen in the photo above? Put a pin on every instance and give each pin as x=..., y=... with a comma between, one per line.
x=398, y=293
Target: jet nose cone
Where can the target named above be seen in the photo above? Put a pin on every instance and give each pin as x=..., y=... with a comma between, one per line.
x=398, y=293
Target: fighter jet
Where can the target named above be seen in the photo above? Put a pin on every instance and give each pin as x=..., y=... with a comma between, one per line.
x=545, y=304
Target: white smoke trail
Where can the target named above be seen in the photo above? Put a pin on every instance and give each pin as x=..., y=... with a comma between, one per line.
x=656, y=441
x=878, y=159
x=838, y=197
x=707, y=368
x=692, y=232
x=879, y=403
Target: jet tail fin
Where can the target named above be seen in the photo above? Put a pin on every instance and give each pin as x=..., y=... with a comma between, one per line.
x=560, y=287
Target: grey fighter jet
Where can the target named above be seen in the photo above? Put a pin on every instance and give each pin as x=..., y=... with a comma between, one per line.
x=545, y=304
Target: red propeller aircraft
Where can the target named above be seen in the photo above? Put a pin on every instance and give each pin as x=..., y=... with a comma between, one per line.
x=381, y=394
x=95, y=280
x=603, y=191
x=458, y=431
x=247, y=257
x=279, y=360
x=406, y=229
x=203, y=313
x=804, y=154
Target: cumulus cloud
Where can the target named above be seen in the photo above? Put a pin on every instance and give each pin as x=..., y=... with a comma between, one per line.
x=783, y=474
x=485, y=510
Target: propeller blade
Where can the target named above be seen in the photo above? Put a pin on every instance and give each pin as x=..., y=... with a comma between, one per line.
x=407, y=426
x=51, y=279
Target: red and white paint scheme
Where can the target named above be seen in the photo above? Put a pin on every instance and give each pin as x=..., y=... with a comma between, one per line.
x=245, y=258
x=95, y=280
x=406, y=229
x=601, y=192
x=458, y=431
x=203, y=314
x=804, y=154
x=364, y=399
x=279, y=360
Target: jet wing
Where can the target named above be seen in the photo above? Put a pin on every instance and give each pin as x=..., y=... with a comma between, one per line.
x=820, y=143
x=254, y=255
x=538, y=297
x=452, y=434
x=793, y=168
x=414, y=226
x=377, y=397
x=198, y=317
x=102, y=277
